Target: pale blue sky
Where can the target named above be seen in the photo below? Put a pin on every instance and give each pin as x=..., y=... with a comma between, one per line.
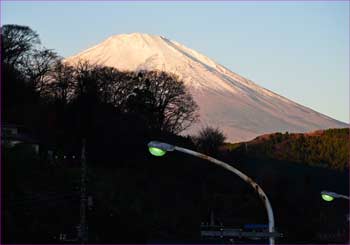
x=297, y=49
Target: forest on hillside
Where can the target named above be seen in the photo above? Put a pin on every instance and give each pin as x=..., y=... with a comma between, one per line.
x=324, y=148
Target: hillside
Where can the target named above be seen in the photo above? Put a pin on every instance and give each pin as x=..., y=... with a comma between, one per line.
x=325, y=148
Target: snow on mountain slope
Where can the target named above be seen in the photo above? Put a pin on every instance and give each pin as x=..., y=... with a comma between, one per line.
x=241, y=108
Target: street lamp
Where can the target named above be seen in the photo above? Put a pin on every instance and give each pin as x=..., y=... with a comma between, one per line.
x=159, y=149
x=329, y=196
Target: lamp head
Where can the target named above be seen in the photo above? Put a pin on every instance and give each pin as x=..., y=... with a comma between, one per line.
x=329, y=196
x=159, y=149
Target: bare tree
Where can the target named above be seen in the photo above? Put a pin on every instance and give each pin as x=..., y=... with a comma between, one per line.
x=23, y=55
x=25, y=66
x=103, y=84
x=38, y=64
x=17, y=41
x=209, y=140
x=59, y=84
x=162, y=97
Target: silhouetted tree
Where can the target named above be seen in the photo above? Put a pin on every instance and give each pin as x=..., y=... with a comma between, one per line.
x=17, y=42
x=25, y=65
x=209, y=140
x=38, y=65
x=164, y=101
x=60, y=84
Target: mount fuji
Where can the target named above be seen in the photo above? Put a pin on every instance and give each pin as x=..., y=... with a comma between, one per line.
x=236, y=105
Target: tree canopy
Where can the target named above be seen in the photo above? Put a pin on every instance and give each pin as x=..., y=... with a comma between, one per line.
x=209, y=140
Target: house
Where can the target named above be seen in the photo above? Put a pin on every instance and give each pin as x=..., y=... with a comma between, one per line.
x=12, y=135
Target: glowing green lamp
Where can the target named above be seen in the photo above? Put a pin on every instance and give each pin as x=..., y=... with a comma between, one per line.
x=327, y=198
x=156, y=151
x=159, y=149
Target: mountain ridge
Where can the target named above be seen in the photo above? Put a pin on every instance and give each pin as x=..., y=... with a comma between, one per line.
x=240, y=107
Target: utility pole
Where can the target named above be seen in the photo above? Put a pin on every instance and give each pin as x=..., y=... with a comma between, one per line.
x=83, y=229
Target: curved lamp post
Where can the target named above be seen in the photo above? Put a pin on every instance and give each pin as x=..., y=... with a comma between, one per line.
x=329, y=196
x=159, y=149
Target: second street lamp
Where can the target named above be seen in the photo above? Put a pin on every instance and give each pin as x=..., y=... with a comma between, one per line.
x=159, y=149
x=329, y=196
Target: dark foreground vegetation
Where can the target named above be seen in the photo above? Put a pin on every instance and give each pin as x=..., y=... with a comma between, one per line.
x=134, y=197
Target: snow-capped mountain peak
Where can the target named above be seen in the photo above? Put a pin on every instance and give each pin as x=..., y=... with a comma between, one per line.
x=241, y=108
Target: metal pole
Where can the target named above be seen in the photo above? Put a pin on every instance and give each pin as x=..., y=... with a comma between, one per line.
x=83, y=227
x=345, y=197
x=256, y=187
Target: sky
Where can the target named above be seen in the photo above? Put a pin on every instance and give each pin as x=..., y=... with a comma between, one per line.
x=299, y=50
